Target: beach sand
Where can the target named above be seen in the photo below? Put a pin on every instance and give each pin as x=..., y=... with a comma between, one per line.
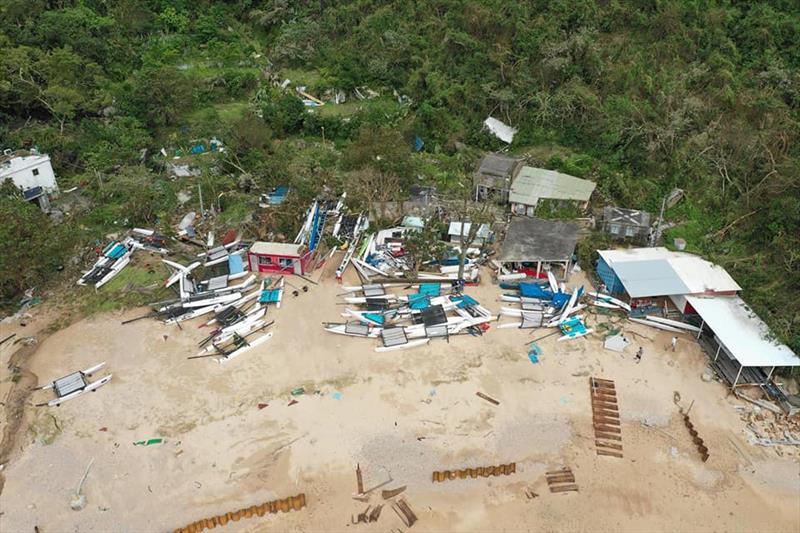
x=399, y=415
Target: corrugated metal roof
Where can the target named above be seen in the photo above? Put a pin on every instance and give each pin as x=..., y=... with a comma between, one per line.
x=277, y=248
x=621, y=215
x=655, y=277
x=497, y=165
x=698, y=275
x=531, y=184
x=535, y=239
x=742, y=332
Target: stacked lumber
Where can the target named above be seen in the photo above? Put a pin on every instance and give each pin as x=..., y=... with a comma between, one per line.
x=605, y=417
x=562, y=480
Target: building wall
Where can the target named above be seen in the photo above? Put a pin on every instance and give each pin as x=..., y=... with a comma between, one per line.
x=275, y=263
x=30, y=171
x=609, y=278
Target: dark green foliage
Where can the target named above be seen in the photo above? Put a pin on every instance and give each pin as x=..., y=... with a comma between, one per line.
x=33, y=248
x=641, y=97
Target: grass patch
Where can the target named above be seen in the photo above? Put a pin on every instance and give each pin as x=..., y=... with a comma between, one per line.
x=137, y=284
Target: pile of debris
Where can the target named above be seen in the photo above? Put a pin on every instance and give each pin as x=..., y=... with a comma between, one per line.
x=645, y=316
x=768, y=426
x=117, y=254
x=229, y=293
x=407, y=320
x=545, y=304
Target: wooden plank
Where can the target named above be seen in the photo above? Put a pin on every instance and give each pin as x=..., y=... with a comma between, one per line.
x=607, y=436
x=601, y=444
x=600, y=451
x=604, y=393
x=565, y=470
x=605, y=405
x=565, y=488
x=602, y=380
x=606, y=420
x=605, y=413
x=607, y=429
x=561, y=479
x=487, y=398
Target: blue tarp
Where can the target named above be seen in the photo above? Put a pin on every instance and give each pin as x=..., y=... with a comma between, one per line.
x=278, y=195
x=198, y=149
x=269, y=296
x=117, y=251
x=572, y=327
x=560, y=299
x=375, y=317
x=430, y=289
x=418, y=301
x=419, y=144
x=532, y=290
x=465, y=301
x=235, y=264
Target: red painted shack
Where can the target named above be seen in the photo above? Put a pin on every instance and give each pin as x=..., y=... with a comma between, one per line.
x=277, y=257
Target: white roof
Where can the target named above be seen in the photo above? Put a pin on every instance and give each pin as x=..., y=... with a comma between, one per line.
x=277, y=248
x=695, y=273
x=744, y=335
x=502, y=131
x=455, y=229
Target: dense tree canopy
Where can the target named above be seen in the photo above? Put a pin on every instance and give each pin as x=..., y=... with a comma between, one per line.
x=640, y=96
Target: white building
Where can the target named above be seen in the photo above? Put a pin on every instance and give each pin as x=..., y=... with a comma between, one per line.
x=32, y=173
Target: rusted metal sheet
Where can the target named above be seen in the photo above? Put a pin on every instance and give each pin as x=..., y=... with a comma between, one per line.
x=481, y=471
x=285, y=505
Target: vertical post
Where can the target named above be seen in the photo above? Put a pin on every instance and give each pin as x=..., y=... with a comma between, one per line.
x=200, y=191
x=716, y=355
x=538, y=268
x=737, y=377
x=702, y=323
x=770, y=374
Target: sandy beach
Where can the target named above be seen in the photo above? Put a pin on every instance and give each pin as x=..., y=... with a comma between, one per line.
x=399, y=415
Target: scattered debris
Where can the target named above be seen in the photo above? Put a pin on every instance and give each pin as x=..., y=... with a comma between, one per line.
x=562, y=480
x=698, y=442
x=74, y=385
x=605, y=417
x=285, y=505
x=78, y=501
x=404, y=511
x=487, y=398
x=482, y=471
x=359, y=480
x=387, y=494
x=149, y=442
x=500, y=130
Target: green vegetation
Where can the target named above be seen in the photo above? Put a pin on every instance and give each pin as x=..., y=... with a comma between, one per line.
x=641, y=97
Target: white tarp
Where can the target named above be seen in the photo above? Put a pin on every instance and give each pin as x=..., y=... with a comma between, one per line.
x=617, y=343
x=502, y=131
x=745, y=336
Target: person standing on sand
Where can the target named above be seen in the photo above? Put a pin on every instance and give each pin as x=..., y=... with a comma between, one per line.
x=674, y=342
x=639, y=354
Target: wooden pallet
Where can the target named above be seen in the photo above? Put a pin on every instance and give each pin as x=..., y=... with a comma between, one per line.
x=605, y=417
x=562, y=480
